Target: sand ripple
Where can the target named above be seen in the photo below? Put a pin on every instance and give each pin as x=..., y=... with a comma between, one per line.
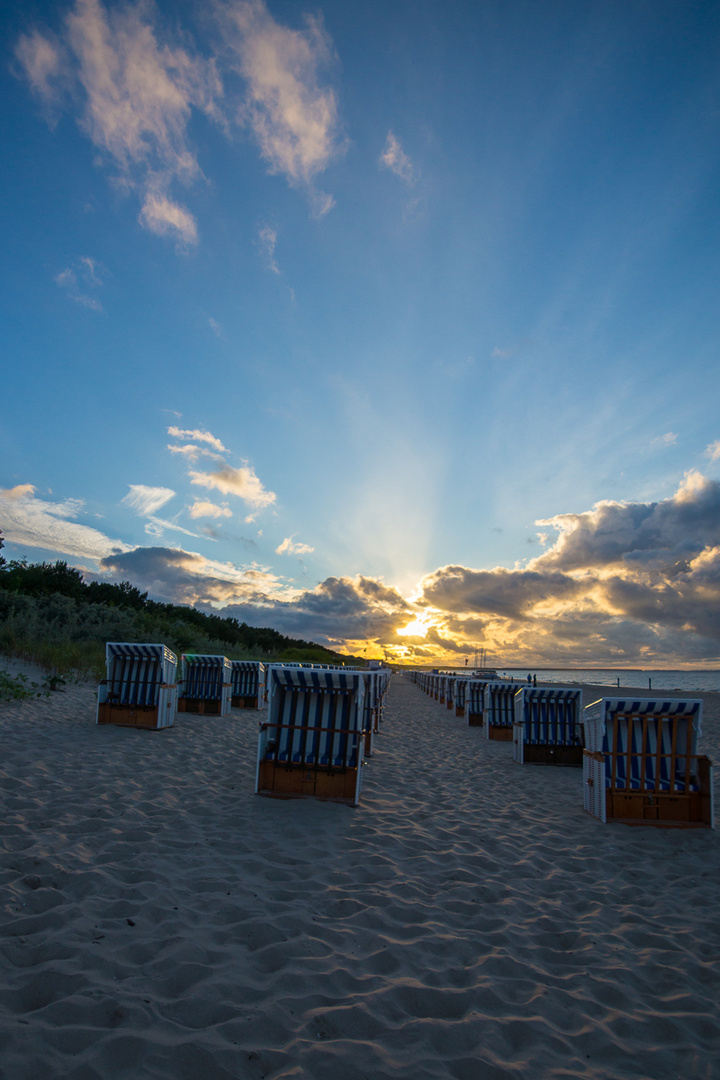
x=468, y=920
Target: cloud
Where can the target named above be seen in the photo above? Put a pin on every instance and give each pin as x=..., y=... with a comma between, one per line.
x=226, y=479
x=208, y=509
x=146, y=500
x=164, y=217
x=624, y=583
x=43, y=61
x=267, y=239
x=668, y=439
x=631, y=534
x=31, y=522
x=75, y=280
x=394, y=158
x=293, y=117
x=196, y=436
x=343, y=612
x=713, y=451
x=137, y=96
x=500, y=592
x=241, y=482
x=289, y=547
x=176, y=576
x=135, y=92
x=217, y=329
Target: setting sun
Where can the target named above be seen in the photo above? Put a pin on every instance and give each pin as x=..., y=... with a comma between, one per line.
x=417, y=628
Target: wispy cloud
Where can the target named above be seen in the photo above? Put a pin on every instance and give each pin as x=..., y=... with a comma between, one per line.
x=157, y=527
x=37, y=523
x=75, y=280
x=289, y=547
x=192, y=452
x=164, y=217
x=394, y=158
x=668, y=439
x=197, y=436
x=292, y=115
x=146, y=501
x=217, y=329
x=713, y=451
x=242, y=482
x=266, y=241
x=44, y=62
x=135, y=91
x=137, y=99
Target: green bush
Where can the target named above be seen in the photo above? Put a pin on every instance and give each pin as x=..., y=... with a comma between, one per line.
x=50, y=616
x=18, y=688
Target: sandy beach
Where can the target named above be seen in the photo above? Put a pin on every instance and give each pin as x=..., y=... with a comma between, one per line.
x=467, y=920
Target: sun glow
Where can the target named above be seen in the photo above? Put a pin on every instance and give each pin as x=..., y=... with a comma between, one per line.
x=417, y=628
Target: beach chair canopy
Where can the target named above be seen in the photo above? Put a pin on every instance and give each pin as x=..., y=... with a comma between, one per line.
x=248, y=677
x=136, y=672
x=549, y=716
x=204, y=676
x=316, y=717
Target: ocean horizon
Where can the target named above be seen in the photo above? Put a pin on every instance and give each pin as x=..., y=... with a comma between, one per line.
x=686, y=681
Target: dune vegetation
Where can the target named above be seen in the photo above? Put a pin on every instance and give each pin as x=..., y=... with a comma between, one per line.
x=50, y=615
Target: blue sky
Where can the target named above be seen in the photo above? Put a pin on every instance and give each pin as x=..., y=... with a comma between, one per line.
x=353, y=319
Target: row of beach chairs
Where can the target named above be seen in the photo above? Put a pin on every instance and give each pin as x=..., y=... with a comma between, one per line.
x=639, y=757
x=321, y=721
x=142, y=689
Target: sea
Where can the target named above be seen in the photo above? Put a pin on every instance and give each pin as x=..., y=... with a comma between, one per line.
x=654, y=679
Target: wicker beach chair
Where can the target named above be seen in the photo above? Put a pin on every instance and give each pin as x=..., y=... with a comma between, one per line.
x=475, y=701
x=548, y=726
x=312, y=741
x=206, y=685
x=141, y=686
x=641, y=764
x=499, y=710
x=248, y=684
x=460, y=694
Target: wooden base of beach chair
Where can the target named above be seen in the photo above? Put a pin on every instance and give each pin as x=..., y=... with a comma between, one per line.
x=669, y=809
x=552, y=755
x=296, y=781
x=246, y=702
x=449, y=704
x=459, y=710
x=142, y=716
x=475, y=719
x=500, y=734
x=199, y=706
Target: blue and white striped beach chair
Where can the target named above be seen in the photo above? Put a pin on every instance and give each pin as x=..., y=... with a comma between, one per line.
x=641, y=763
x=460, y=694
x=548, y=726
x=312, y=741
x=141, y=686
x=475, y=701
x=248, y=684
x=499, y=710
x=206, y=684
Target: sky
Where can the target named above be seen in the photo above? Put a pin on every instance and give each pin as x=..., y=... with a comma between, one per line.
x=392, y=326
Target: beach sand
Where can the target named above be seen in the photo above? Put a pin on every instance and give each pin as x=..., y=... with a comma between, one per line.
x=467, y=920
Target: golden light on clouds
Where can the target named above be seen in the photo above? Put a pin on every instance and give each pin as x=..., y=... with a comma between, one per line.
x=418, y=627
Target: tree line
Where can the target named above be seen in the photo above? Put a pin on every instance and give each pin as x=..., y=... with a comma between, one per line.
x=89, y=607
